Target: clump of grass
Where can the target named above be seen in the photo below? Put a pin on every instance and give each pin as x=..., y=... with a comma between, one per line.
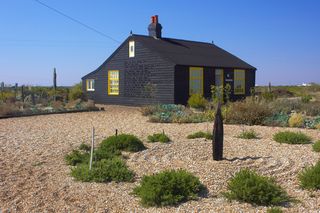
x=274, y=210
x=105, y=170
x=310, y=177
x=122, y=142
x=316, y=146
x=248, y=186
x=169, y=187
x=158, y=137
x=248, y=134
x=291, y=137
x=200, y=134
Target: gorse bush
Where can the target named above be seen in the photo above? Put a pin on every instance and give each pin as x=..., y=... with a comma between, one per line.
x=247, y=112
x=103, y=171
x=306, y=98
x=76, y=92
x=169, y=187
x=122, y=142
x=310, y=177
x=291, y=137
x=316, y=146
x=197, y=101
x=249, y=134
x=159, y=137
x=248, y=186
x=296, y=120
x=200, y=134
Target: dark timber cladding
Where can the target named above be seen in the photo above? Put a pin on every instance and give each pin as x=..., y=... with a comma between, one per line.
x=154, y=69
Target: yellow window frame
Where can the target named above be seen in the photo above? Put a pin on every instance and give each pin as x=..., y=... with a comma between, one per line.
x=192, y=78
x=113, y=82
x=88, y=84
x=240, y=76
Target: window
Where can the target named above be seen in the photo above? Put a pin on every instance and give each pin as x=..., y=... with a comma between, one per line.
x=239, y=82
x=113, y=82
x=131, y=49
x=90, y=84
x=196, y=80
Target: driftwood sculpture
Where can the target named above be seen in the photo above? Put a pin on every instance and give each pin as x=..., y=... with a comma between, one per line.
x=54, y=83
x=217, y=139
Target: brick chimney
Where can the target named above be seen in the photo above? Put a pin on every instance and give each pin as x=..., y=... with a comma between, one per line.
x=155, y=27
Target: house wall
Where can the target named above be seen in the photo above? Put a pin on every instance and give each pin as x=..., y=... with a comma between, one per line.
x=181, y=88
x=136, y=75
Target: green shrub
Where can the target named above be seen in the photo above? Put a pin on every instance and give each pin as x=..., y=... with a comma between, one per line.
x=274, y=210
x=268, y=96
x=159, y=137
x=296, y=120
x=122, y=142
x=310, y=177
x=312, y=108
x=200, y=134
x=277, y=119
x=249, y=134
x=247, y=112
x=306, y=98
x=197, y=101
x=291, y=137
x=77, y=157
x=248, y=186
x=84, y=147
x=76, y=92
x=105, y=170
x=316, y=146
x=169, y=187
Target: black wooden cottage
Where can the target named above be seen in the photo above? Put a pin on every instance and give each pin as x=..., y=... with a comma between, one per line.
x=154, y=69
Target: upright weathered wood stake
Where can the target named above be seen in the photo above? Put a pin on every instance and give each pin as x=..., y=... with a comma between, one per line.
x=269, y=88
x=217, y=140
x=54, y=83
x=22, y=93
x=92, y=147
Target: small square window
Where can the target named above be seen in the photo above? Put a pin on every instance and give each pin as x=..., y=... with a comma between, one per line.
x=90, y=84
x=131, y=49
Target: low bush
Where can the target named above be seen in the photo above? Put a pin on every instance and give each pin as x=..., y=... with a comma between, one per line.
x=274, y=210
x=200, y=134
x=310, y=177
x=306, y=98
x=158, y=137
x=291, y=137
x=316, y=146
x=285, y=106
x=247, y=112
x=312, y=108
x=85, y=147
x=277, y=119
x=197, y=101
x=296, y=120
x=122, y=142
x=248, y=186
x=248, y=134
x=169, y=187
x=105, y=170
x=77, y=157
x=76, y=92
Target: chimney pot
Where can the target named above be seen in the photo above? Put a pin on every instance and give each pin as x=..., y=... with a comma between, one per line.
x=155, y=27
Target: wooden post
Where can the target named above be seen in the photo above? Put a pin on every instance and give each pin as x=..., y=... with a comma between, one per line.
x=92, y=147
x=217, y=140
x=116, y=132
x=16, y=90
x=54, y=83
x=269, y=87
x=22, y=93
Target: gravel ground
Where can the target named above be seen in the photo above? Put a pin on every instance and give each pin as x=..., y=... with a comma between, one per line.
x=34, y=177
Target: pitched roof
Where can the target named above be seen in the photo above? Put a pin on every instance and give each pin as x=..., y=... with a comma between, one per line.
x=192, y=53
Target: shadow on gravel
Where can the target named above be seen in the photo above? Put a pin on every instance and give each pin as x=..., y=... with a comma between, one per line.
x=245, y=158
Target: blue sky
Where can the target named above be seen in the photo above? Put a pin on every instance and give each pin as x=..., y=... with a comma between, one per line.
x=279, y=37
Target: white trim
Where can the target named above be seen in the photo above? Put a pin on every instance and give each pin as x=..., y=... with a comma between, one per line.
x=131, y=49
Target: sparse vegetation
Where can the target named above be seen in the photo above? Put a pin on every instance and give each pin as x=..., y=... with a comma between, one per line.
x=159, y=137
x=316, y=146
x=122, y=142
x=248, y=186
x=291, y=137
x=200, y=134
x=274, y=210
x=296, y=120
x=310, y=177
x=248, y=134
x=169, y=187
